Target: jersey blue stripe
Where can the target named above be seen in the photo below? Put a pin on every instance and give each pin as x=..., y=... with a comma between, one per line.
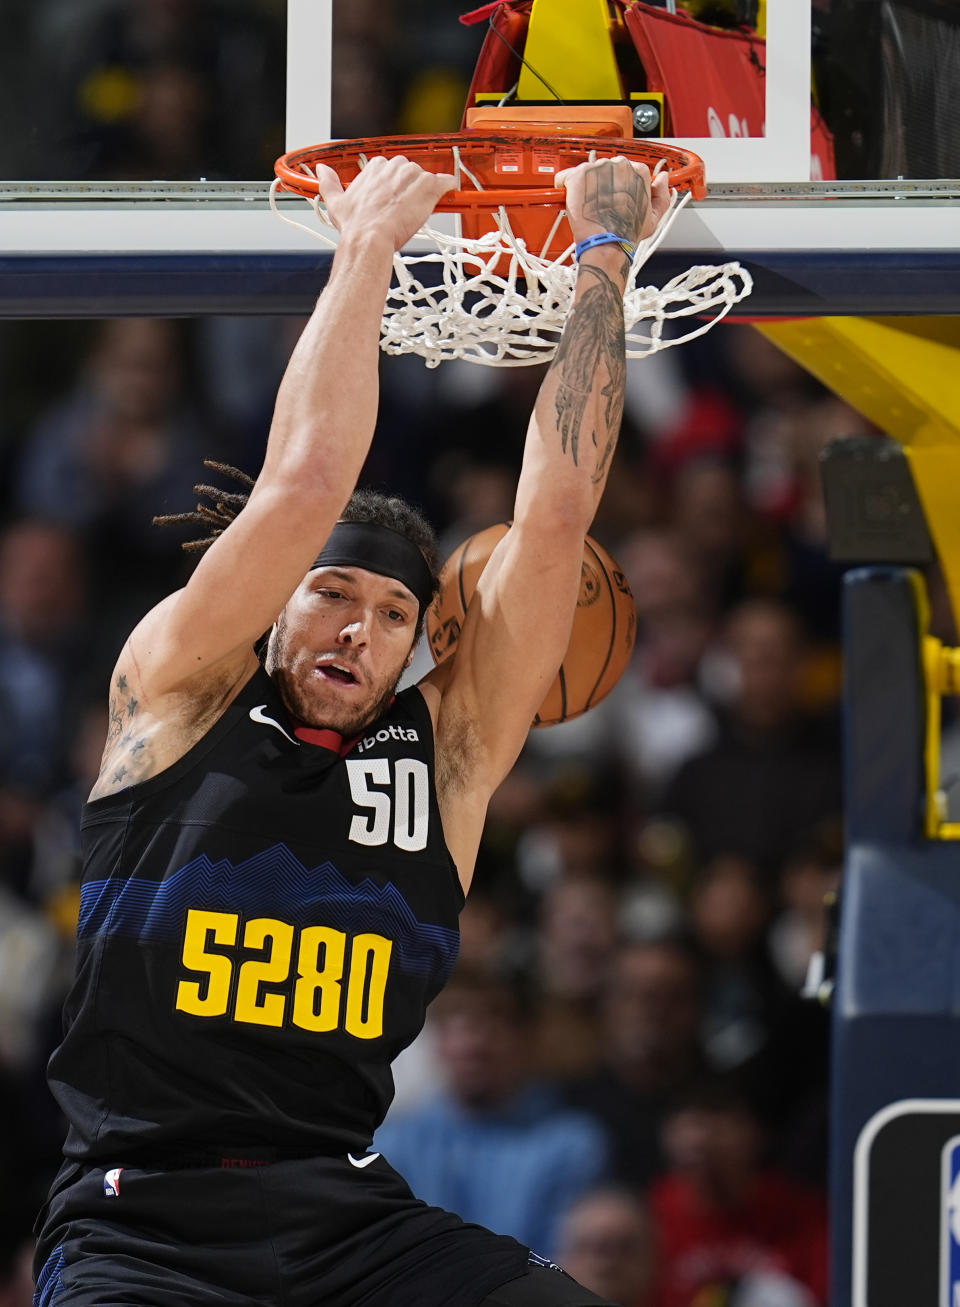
x=274, y=882
x=50, y=1279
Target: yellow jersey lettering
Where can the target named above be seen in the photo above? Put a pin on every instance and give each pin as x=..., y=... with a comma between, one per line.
x=321, y=1000
x=209, y=998
x=252, y=1005
x=316, y=995
x=367, y=988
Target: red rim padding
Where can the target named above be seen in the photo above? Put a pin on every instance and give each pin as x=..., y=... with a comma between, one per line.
x=509, y=165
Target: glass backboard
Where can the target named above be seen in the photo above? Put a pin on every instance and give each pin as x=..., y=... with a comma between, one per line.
x=820, y=144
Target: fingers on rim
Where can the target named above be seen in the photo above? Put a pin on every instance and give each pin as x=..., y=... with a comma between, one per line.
x=613, y=158
x=447, y=178
x=328, y=179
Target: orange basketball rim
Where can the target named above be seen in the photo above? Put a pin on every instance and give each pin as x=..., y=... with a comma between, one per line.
x=508, y=169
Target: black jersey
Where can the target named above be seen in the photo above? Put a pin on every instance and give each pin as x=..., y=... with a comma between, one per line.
x=262, y=926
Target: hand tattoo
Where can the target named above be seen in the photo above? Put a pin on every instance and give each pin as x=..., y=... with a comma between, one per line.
x=619, y=207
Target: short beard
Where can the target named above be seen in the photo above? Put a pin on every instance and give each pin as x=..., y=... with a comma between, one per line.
x=296, y=702
x=349, y=727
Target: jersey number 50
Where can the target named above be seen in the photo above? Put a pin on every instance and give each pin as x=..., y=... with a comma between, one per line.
x=410, y=804
x=323, y=999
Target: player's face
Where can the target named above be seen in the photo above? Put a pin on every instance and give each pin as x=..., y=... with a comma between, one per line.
x=340, y=646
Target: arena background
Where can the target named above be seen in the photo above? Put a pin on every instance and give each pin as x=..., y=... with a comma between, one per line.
x=653, y=878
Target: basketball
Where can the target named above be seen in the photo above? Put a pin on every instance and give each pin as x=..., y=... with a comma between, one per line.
x=604, y=625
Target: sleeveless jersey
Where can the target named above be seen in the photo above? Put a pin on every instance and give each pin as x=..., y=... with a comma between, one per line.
x=262, y=926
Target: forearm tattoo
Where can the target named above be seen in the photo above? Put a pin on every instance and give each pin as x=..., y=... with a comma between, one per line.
x=621, y=206
x=592, y=339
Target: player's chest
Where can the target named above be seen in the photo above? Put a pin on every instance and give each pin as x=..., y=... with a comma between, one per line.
x=378, y=797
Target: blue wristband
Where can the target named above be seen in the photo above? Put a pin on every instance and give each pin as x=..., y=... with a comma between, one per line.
x=605, y=238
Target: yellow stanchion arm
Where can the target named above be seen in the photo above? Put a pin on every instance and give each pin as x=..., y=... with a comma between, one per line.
x=904, y=375
x=570, y=45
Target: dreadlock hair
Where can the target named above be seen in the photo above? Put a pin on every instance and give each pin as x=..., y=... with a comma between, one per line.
x=363, y=506
x=216, y=519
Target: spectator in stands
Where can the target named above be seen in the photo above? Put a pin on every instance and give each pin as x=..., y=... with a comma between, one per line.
x=730, y=909
x=30, y=973
x=651, y=1051
x=576, y=938
x=486, y=934
x=495, y=1147
x=764, y=379
x=557, y=814
x=490, y=942
x=756, y=1026
x=720, y=1212
x=812, y=581
x=656, y=717
x=606, y=1243
x=129, y=76
x=710, y=517
x=662, y=714
x=774, y=772
x=769, y=1289
x=118, y=449
x=579, y=834
x=811, y=875
x=16, y=1274
x=168, y=131
x=55, y=869
x=366, y=38
x=478, y=494
x=43, y=640
x=363, y=96
x=29, y=1158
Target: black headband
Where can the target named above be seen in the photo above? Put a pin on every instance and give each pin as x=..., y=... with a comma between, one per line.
x=382, y=550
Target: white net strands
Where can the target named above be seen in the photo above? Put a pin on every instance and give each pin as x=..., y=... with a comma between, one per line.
x=493, y=301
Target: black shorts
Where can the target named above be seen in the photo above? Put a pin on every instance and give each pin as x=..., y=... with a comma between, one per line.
x=301, y=1233
x=542, y=1286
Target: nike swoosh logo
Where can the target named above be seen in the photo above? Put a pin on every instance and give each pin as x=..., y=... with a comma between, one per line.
x=361, y=1162
x=258, y=715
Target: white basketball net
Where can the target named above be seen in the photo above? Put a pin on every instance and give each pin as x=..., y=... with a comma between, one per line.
x=459, y=301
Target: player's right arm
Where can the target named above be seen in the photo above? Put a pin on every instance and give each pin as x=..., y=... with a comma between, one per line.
x=321, y=431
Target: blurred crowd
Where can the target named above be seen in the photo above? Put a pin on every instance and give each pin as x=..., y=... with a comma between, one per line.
x=134, y=90
x=622, y=1071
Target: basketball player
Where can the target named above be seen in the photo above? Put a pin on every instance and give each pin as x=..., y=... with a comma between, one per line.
x=276, y=850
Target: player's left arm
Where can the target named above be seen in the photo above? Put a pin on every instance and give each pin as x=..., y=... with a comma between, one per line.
x=518, y=625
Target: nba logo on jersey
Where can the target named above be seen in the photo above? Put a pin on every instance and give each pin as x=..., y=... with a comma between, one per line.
x=537, y=1259
x=111, y=1182
x=950, y=1224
